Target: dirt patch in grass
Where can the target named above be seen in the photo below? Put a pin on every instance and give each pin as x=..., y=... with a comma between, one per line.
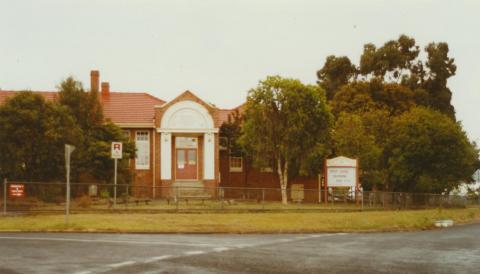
x=241, y=223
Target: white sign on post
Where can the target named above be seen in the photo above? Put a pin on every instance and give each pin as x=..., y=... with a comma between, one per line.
x=342, y=172
x=342, y=177
x=116, y=150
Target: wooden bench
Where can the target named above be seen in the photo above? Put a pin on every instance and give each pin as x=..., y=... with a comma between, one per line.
x=137, y=201
x=146, y=201
x=187, y=198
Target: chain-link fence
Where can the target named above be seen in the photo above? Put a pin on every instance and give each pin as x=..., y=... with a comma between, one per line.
x=35, y=197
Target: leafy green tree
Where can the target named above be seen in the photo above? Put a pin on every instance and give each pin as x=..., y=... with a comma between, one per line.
x=336, y=72
x=287, y=123
x=391, y=74
x=429, y=152
x=441, y=67
x=100, y=164
x=232, y=131
x=93, y=154
x=392, y=61
x=84, y=106
x=32, y=138
x=365, y=96
x=352, y=139
x=353, y=98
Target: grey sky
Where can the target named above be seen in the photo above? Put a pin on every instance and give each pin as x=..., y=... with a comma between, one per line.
x=220, y=49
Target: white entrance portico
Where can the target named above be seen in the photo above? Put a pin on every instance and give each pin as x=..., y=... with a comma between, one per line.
x=188, y=121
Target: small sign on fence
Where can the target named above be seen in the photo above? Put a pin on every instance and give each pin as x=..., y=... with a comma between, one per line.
x=16, y=190
x=296, y=192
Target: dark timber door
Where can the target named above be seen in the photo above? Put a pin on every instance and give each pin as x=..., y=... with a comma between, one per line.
x=186, y=167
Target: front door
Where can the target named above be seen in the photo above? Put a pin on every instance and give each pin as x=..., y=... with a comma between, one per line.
x=186, y=167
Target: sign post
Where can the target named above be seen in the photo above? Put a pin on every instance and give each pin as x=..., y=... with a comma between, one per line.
x=5, y=196
x=116, y=154
x=68, y=152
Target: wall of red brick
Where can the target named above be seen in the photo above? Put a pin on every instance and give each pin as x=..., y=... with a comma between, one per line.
x=142, y=179
x=253, y=178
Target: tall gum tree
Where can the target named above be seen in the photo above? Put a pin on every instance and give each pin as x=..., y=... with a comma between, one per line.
x=287, y=124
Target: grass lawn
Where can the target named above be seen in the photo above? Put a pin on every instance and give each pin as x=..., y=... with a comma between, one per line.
x=234, y=206
x=241, y=222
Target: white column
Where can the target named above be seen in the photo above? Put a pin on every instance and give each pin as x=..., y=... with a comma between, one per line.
x=208, y=156
x=166, y=156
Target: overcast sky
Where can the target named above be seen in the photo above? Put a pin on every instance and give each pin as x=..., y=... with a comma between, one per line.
x=221, y=49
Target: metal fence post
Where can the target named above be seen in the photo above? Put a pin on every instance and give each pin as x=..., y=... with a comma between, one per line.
x=333, y=196
x=176, y=198
x=383, y=200
x=263, y=198
x=126, y=197
x=363, y=194
x=222, y=194
x=5, y=196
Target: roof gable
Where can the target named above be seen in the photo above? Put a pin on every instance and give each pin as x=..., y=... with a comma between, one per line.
x=188, y=96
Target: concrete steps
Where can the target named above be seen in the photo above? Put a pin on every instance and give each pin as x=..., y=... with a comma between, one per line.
x=190, y=189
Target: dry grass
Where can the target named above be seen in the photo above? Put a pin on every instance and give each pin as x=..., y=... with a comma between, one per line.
x=241, y=223
x=198, y=205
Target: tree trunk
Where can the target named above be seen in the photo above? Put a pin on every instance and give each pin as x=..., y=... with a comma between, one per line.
x=284, y=195
x=283, y=176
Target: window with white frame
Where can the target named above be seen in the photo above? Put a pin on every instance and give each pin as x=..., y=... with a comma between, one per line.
x=236, y=164
x=142, y=143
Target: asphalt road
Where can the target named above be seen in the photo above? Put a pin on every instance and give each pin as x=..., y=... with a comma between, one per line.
x=452, y=250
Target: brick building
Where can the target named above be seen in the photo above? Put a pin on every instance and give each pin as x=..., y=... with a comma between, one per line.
x=178, y=142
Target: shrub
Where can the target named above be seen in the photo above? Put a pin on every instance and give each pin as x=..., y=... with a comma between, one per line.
x=50, y=193
x=104, y=193
x=84, y=201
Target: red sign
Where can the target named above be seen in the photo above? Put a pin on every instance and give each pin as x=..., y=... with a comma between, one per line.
x=16, y=190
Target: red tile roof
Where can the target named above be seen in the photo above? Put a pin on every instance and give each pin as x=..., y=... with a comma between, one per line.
x=119, y=107
x=130, y=107
x=223, y=114
x=48, y=95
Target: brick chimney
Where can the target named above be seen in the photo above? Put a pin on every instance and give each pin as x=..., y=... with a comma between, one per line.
x=105, y=88
x=94, y=80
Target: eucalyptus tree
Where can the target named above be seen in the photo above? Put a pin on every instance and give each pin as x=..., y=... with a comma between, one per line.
x=288, y=124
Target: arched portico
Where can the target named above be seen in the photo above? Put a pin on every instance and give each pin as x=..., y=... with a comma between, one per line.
x=187, y=150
